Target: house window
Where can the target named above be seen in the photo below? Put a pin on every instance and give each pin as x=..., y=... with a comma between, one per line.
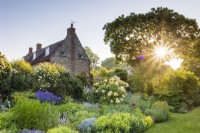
x=34, y=55
x=63, y=54
x=80, y=56
x=46, y=51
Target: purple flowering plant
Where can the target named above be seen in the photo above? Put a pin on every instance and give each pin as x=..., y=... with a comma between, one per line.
x=48, y=97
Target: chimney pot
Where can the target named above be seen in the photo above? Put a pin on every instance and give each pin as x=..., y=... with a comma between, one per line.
x=30, y=50
x=38, y=46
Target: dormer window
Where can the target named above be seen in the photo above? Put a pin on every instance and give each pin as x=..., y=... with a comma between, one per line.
x=46, y=51
x=80, y=56
x=34, y=55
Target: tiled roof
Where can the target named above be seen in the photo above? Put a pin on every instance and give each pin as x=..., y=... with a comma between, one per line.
x=40, y=54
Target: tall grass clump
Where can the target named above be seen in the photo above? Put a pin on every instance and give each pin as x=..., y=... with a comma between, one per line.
x=159, y=111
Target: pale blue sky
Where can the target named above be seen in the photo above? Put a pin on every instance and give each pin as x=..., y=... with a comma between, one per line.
x=23, y=23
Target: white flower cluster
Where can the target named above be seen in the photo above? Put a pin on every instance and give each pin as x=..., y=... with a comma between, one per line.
x=113, y=89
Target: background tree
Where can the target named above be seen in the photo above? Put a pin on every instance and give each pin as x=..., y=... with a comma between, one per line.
x=133, y=38
x=110, y=63
x=22, y=77
x=5, y=75
x=94, y=59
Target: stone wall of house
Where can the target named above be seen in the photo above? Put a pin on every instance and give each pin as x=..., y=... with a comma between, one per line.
x=72, y=55
x=62, y=55
x=82, y=63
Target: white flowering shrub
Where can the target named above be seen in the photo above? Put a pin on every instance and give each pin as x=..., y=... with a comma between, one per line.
x=112, y=90
x=47, y=75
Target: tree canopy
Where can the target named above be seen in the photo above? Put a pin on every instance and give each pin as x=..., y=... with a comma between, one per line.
x=94, y=59
x=132, y=38
x=110, y=63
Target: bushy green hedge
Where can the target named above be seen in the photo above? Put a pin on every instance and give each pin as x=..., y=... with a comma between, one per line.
x=176, y=87
x=31, y=114
x=5, y=75
x=56, y=79
x=22, y=77
x=121, y=122
x=79, y=116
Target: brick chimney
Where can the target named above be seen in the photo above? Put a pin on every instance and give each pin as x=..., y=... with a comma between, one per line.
x=71, y=30
x=30, y=50
x=71, y=33
x=38, y=46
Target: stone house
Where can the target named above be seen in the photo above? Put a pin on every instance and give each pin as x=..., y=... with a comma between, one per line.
x=68, y=52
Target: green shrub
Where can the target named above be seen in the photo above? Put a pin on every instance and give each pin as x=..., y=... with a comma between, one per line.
x=149, y=121
x=119, y=122
x=159, y=110
x=61, y=129
x=86, y=125
x=79, y=116
x=139, y=101
x=121, y=73
x=5, y=75
x=123, y=108
x=177, y=87
x=31, y=114
x=22, y=77
x=54, y=78
x=16, y=96
x=5, y=122
x=46, y=76
x=69, y=108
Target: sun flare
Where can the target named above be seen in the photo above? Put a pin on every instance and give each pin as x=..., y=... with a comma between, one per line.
x=174, y=63
x=161, y=52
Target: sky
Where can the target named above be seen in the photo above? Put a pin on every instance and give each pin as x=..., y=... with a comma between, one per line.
x=24, y=23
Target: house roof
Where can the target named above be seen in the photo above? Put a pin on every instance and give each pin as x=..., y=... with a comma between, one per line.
x=40, y=54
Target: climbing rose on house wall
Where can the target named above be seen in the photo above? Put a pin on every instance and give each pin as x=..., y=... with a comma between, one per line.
x=112, y=90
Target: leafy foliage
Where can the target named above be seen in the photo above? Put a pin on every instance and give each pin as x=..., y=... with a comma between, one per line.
x=176, y=87
x=31, y=114
x=136, y=35
x=54, y=78
x=22, y=78
x=79, y=116
x=46, y=75
x=109, y=63
x=5, y=75
x=30, y=131
x=94, y=59
x=16, y=96
x=159, y=110
x=86, y=125
x=120, y=122
x=61, y=129
x=111, y=90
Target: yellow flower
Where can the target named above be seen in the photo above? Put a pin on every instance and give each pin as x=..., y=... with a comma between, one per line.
x=115, y=94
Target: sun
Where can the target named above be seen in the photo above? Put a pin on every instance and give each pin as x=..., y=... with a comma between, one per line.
x=161, y=51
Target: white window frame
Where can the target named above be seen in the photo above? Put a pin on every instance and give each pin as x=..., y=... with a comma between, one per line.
x=34, y=55
x=46, y=51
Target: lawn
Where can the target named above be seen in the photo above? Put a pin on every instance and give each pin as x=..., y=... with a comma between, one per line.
x=179, y=123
